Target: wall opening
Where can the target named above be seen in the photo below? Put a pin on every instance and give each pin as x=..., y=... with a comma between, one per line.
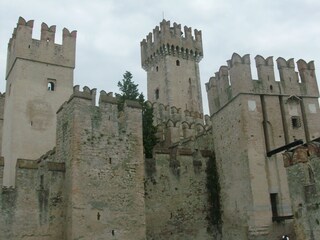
x=156, y=93
x=178, y=63
x=296, y=122
x=271, y=87
x=274, y=207
x=41, y=182
x=51, y=85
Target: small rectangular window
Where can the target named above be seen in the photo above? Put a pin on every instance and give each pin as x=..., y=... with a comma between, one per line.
x=51, y=84
x=295, y=121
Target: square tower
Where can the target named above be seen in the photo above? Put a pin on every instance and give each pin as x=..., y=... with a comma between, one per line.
x=250, y=120
x=39, y=79
x=171, y=58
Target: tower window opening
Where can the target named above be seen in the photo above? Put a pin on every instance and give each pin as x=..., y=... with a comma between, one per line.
x=295, y=121
x=156, y=93
x=157, y=68
x=178, y=63
x=51, y=85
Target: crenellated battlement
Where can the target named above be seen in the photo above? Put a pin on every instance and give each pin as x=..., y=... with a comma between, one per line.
x=236, y=78
x=22, y=46
x=175, y=125
x=107, y=102
x=171, y=40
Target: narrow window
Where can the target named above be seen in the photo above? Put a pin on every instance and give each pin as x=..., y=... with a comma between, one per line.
x=41, y=182
x=157, y=68
x=296, y=122
x=156, y=93
x=274, y=208
x=178, y=63
x=51, y=85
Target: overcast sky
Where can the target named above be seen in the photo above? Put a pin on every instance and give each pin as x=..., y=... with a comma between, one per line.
x=110, y=31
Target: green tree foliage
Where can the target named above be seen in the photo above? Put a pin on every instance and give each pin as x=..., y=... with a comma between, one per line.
x=129, y=91
x=149, y=130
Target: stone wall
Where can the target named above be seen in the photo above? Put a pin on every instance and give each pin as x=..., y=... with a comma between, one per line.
x=33, y=209
x=303, y=168
x=103, y=152
x=176, y=195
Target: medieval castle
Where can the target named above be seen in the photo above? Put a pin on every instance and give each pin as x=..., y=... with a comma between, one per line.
x=75, y=169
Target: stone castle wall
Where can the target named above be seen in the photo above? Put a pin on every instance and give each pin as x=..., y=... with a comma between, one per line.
x=303, y=167
x=176, y=195
x=34, y=209
x=96, y=179
x=208, y=178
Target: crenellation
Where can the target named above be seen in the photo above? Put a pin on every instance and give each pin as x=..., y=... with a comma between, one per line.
x=289, y=80
x=188, y=33
x=45, y=50
x=165, y=28
x=229, y=81
x=308, y=78
x=177, y=29
x=266, y=77
x=240, y=73
x=168, y=40
x=237, y=59
x=282, y=63
x=265, y=68
x=48, y=33
x=67, y=34
x=86, y=93
x=107, y=98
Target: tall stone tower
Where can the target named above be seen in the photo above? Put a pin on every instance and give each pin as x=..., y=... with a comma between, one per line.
x=171, y=58
x=251, y=118
x=39, y=79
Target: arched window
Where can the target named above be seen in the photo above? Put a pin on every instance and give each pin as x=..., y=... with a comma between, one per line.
x=51, y=85
x=178, y=63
